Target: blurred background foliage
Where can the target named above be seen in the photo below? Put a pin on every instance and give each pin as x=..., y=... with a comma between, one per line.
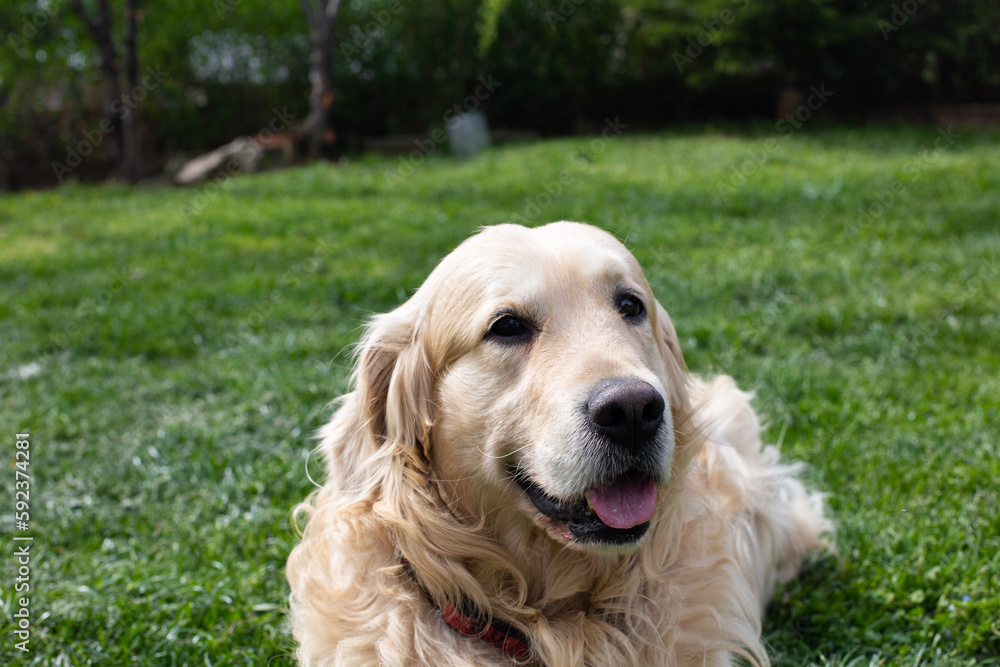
x=562, y=66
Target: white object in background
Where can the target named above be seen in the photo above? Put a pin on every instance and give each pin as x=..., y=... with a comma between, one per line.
x=468, y=133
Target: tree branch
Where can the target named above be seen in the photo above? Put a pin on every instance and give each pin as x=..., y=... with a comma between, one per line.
x=81, y=11
x=307, y=7
x=332, y=7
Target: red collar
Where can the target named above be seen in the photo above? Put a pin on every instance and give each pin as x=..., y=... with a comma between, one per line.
x=502, y=635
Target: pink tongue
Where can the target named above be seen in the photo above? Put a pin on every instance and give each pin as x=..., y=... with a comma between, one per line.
x=624, y=504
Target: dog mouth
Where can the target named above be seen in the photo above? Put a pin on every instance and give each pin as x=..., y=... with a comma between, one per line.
x=617, y=513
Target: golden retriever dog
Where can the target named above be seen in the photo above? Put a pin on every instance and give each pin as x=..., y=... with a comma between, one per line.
x=526, y=473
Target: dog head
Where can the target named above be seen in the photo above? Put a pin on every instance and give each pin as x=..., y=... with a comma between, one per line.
x=535, y=383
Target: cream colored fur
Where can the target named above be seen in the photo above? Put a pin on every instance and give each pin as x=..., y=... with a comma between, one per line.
x=416, y=458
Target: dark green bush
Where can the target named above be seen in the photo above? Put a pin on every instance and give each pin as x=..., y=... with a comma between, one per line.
x=560, y=66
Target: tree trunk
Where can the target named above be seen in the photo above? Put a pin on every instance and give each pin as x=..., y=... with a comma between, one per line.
x=124, y=129
x=321, y=15
x=130, y=128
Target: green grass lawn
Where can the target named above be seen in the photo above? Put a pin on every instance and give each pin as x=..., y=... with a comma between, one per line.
x=172, y=352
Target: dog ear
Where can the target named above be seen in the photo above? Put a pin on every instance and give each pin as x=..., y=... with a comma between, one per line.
x=666, y=338
x=394, y=380
x=673, y=359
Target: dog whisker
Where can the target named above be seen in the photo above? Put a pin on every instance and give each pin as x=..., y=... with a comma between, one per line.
x=501, y=456
x=453, y=480
x=309, y=476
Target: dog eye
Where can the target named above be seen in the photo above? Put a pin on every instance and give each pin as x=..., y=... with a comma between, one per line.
x=509, y=328
x=630, y=307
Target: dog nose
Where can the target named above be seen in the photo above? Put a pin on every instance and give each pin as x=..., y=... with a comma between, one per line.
x=627, y=412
